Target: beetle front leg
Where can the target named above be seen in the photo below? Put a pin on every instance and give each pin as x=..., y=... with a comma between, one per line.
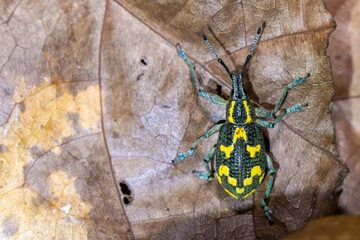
x=209, y=96
x=206, y=175
x=265, y=200
x=213, y=130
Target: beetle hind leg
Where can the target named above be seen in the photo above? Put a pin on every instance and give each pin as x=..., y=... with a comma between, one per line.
x=206, y=175
x=265, y=200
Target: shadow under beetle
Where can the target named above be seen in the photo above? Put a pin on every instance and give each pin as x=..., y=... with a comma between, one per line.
x=241, y=161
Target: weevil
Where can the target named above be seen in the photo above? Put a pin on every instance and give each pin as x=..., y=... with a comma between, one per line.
x=240, y=158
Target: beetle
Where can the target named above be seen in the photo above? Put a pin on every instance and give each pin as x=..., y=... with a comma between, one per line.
x=240, y=158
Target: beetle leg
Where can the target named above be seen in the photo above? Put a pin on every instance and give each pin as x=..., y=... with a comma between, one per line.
x=271, y=124
x=265, y=200
x=261, y=112
x=206, y=175
x=209, y=96
x=296, y=108
x=212, y=131
x=298, y=80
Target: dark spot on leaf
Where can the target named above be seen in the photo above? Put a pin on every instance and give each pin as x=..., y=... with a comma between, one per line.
x=3, y=148
x=7, y=91
x=22, y=106
x=126, y=192
x=139, y=76
x=143, y=61
x=124, y=188
x=35, y=151
x=165, y=106
x=337, y=57
x=114, y=134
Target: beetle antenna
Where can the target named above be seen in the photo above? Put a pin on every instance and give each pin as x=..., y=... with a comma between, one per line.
x=217, y=57
x=252, y=49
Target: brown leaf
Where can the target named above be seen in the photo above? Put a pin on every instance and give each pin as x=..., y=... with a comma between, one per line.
x=56, y=177
x=344, y=52
x=340, y=227
x=96, y=103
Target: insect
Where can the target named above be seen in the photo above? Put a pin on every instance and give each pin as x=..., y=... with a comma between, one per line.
x=241, y=161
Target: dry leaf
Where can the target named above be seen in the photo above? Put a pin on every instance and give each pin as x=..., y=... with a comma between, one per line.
x=344, y=52
x=95, y=103
x=340, y=227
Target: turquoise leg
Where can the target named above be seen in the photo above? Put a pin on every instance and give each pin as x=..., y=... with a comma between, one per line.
x=298, y=80
x=209, y=96
x=265, y=200
x=271, y=124
x=206, y=175
x=260, y=112
x=296, y=108
x=213, y=130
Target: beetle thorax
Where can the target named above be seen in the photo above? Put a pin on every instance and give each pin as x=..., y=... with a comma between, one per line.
x=240, y=112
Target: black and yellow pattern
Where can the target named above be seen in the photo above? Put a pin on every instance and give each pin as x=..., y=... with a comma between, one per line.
x=240, y=157
x=240, y=112
x=241, y=161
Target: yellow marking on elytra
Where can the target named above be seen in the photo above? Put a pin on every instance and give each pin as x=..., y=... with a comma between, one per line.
x=227, y=150
x=253, y=150
x=249, y=193
x=254, y=171
x=261, y=178
x=248, y=181
x=240, y=191
x=239, y=133
x=219, y=178
x=230, y=193
x=232, y=181
x=231, y=111
x=224, y=170
x=248, y=119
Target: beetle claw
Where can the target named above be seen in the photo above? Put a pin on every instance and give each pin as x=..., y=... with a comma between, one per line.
x=268, y=214
x=202, y=175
